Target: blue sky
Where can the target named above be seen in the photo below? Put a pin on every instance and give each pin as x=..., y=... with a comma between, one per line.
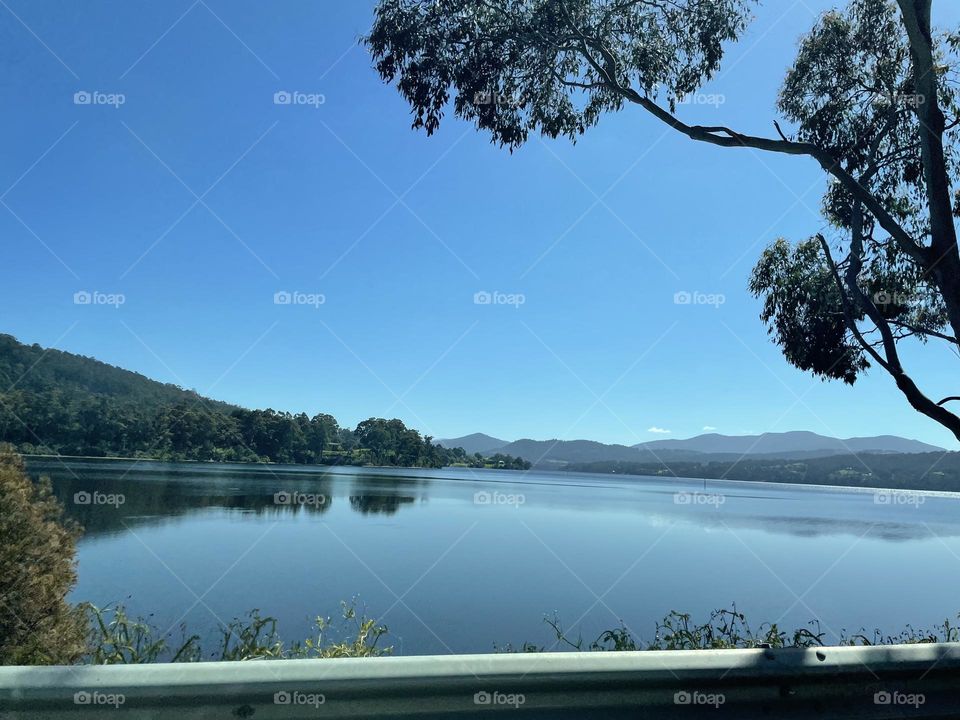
x=198, y=198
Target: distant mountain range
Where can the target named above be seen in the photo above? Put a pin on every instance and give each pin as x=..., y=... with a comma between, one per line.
x=790, y=442
x=702, y=448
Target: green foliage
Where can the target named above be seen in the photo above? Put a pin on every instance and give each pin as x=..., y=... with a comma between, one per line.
x=37, y=570
x=727, y=629
x=116, y=638
x=251, y=639
x=390, y=442
x=361, y=640
x=71, y=405
x=852, y=91
x=803, y=310
x=905, y=471
x=517, y=66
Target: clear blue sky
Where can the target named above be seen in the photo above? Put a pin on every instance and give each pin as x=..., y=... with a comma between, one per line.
x=398, y=231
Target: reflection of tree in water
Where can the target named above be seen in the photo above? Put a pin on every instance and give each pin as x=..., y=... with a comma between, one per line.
x=379, y=496
x=153, y=496
x=378, y=504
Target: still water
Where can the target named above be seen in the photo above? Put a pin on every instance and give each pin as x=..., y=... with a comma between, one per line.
x=455, y=560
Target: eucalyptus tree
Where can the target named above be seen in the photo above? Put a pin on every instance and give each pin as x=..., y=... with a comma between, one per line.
x=870, y=97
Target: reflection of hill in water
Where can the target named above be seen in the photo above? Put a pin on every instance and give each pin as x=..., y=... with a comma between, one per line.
x=814, y=527
x=157, y=493
x=809, y=526
x=157, y=502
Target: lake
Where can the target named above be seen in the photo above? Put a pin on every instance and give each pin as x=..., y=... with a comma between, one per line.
x=455, y=560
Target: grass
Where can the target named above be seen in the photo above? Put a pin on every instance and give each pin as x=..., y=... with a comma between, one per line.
x=116, y=638
x=726, y=629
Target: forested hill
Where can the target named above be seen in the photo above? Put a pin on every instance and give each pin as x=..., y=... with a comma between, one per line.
x=54, y=402
x=916, y=471
x=35, y=369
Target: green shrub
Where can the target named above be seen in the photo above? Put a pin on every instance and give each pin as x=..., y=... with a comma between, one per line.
x=116, y=638
x=728, y=628
x=37, y=570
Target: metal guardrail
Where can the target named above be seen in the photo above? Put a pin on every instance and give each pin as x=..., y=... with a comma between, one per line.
x=893, y=681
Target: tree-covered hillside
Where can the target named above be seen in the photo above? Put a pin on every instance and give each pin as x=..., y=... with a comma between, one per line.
x=59, y=403
x=914, y=471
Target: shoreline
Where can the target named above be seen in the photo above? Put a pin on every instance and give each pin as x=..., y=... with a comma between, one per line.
x=242, y=462
x=629, y=478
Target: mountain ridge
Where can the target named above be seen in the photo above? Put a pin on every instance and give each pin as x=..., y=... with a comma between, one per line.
x=790, y=441
x=708, y=447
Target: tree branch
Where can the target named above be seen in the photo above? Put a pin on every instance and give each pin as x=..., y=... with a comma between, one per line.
x=891, y=362
x=726, y=137
x=925, y=331
x=730, y=138
x=847, y=311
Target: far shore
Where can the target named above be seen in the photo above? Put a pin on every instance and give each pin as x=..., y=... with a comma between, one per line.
x=684, y=479
x=233, y=462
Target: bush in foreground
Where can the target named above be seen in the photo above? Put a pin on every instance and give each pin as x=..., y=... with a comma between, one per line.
x=116, y=638
x=37, y=570
x=727, y=629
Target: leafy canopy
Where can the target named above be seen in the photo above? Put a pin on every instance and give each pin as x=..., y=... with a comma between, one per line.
x=852, y=91
x=518, y=66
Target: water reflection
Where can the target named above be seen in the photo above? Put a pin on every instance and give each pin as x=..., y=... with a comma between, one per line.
x=157, y=493
x=297, y=540
x=800, y=526
x=108, y=498
x=371, y=495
